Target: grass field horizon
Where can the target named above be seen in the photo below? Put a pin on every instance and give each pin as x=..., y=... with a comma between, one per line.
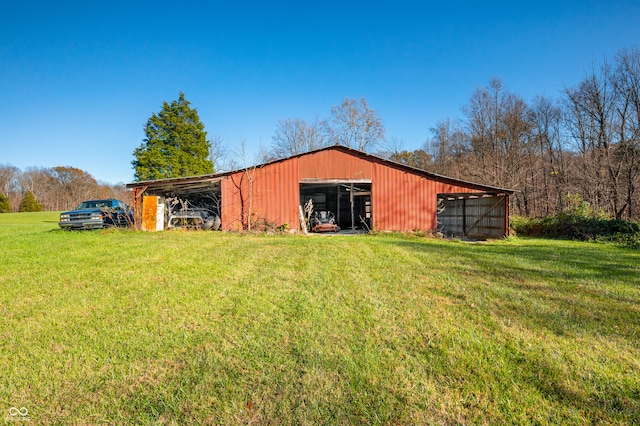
x=127, y=327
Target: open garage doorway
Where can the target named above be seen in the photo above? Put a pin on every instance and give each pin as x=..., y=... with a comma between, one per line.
x=348, y=201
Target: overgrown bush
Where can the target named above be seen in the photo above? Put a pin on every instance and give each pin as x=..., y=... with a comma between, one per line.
x=5, y=206
x=580, y=222
x=29, y=203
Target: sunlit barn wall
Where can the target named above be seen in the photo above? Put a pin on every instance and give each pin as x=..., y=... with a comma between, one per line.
x=270, y=193
x=334, y=164
x=402, y=199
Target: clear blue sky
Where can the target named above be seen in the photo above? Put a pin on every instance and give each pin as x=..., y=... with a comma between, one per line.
x=79, y=79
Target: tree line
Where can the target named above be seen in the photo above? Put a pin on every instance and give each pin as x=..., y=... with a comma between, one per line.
x=51, y=189
x=585, y=142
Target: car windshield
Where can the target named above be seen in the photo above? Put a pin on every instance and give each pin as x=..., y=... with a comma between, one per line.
x=94, y=204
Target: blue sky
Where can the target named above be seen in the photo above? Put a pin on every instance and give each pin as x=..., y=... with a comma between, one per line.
x=79, y=79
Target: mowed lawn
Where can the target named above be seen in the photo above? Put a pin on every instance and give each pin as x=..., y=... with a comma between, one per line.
x=126, y=327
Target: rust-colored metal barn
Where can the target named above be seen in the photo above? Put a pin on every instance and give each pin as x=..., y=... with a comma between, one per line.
x=362, y=191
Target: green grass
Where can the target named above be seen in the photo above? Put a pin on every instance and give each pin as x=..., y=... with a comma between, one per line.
x=126, y=327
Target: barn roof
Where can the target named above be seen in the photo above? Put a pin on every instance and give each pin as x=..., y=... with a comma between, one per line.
x=217, y=177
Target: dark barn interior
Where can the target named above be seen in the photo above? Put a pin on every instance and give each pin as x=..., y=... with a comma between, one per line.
x=349, y=202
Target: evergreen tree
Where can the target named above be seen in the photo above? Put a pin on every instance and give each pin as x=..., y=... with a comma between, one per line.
x=29, y=203
x=175, y=145
x=5, y=206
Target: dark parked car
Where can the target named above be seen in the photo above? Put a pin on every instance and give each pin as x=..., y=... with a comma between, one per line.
x=94, y=214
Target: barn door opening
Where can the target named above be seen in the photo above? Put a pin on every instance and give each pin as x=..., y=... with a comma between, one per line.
x=349, y=202
x=473, y=215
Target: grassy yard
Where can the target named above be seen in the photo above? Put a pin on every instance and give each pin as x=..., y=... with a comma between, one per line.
x=215, y=328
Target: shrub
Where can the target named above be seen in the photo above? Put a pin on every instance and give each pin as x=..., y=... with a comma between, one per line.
x=29, y=203
x=580, y=222
x=5, y=206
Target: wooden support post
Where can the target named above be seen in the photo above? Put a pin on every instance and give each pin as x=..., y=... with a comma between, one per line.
x=338, y=205
x=464, y=217
x=353, y=221
x=137, y=206
x=303, y=222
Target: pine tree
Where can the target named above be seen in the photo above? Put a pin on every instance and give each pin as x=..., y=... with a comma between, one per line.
x=29, y=203
x=5, y=206
x=175, y=145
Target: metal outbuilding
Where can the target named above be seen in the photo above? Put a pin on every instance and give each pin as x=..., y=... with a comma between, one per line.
x=362, y=190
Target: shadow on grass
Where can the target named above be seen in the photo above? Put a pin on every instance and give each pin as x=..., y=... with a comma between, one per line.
x=69, y=231
x=600, y=400
x=579, y=292
x=565, y=288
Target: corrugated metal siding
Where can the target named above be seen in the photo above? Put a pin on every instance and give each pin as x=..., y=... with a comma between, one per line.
x=230, y=205
x=400, y=200
x=451, y=219
x=404, y=201
x=333, y=165
x=275, y=195
x=484, y=217
x=276, y=186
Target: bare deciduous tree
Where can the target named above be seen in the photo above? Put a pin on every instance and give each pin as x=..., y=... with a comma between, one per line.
x=549, y=161
x=8, y=179
x=418, y=158
x=448, y=146
x=57, y=188
x=627, y=83
x=40, y=182
x=219, y=155
x=594, y=120
x=244, y=182
x=10, y=185
x=355, y=125
x=499, y=131
x=295, y=136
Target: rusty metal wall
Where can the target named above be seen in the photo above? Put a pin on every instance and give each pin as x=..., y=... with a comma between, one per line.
x=275, y=195
x=230, y=208
x=405, y=201
x=276, y=186
x=333, y=165
x=401, y=200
